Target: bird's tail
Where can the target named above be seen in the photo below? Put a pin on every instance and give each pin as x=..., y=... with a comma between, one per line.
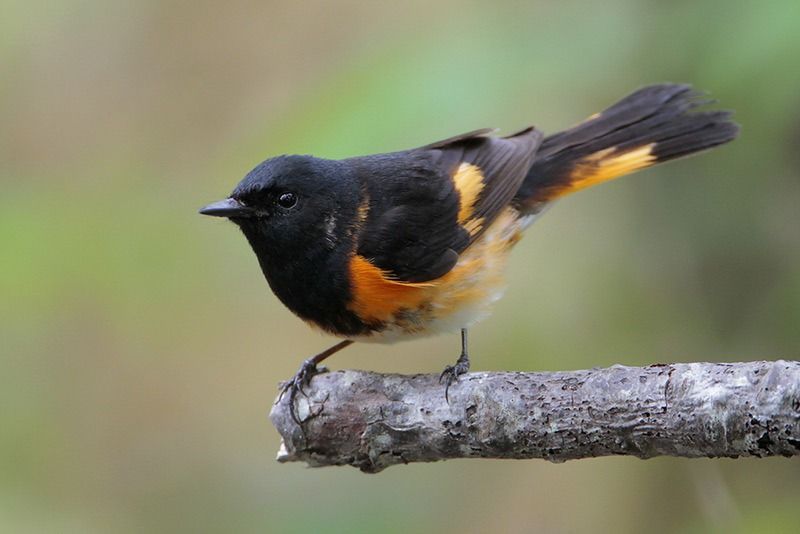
x=649, y=126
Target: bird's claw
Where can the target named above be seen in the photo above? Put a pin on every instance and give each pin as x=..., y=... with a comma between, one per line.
x=296, y=384
x=451, y=373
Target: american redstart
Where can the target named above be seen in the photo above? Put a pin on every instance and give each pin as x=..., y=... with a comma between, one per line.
x=395, y=246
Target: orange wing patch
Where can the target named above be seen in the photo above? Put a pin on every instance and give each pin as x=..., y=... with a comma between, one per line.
x=603, y=166
x=376, y=297
x=468, y=181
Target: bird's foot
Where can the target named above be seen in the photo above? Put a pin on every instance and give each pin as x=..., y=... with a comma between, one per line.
x=451, y=373
x=296, y=384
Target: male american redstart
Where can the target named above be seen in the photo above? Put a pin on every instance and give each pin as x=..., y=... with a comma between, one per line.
x=406, y=244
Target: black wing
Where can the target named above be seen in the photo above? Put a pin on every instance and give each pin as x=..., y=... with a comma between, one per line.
x=423, y=207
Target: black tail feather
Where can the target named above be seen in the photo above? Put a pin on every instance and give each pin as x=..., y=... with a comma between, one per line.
x=650, y=126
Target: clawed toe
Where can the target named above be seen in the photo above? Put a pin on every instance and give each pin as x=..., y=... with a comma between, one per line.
x=296, y=384
x=451, y=373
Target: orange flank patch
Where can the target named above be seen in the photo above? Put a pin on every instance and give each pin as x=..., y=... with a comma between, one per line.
x=376, y=297
x=456, y=300
x=468, y=180
x=606, y=165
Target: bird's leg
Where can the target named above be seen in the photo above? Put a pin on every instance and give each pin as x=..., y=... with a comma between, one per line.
x=305, y=374
x=452, y=372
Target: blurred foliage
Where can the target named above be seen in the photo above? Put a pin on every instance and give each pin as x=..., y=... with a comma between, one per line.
x=141, y=347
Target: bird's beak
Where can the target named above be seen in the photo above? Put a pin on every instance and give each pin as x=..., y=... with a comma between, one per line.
x=230, y=207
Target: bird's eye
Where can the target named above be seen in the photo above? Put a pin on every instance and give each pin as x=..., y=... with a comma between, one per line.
x=287, y=200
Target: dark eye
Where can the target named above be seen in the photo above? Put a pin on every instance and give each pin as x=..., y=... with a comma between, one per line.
x=287, y=200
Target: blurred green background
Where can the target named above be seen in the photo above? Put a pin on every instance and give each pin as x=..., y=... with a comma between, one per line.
x=140, y=347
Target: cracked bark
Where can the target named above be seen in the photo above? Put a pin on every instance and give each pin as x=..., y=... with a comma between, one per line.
x=372, y=421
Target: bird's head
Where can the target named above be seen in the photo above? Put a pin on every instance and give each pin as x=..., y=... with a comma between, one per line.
x=292, y=206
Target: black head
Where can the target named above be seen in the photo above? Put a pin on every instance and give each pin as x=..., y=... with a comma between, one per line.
x=291, y=207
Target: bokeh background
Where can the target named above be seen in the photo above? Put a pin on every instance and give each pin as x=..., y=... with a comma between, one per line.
x=140, y=347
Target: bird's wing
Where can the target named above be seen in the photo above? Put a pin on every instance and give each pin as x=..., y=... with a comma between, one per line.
x=423, y=207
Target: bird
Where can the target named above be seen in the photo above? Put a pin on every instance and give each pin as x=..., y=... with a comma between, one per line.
x=401, y=245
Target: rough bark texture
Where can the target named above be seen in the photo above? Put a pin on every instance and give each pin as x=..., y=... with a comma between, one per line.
x=371, y=421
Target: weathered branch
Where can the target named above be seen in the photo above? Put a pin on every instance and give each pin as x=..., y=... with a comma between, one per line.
x=372, y=421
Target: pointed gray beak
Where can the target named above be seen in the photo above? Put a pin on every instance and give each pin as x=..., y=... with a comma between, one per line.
x=230, y=207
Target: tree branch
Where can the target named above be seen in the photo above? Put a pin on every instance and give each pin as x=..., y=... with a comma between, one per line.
x=371, y=421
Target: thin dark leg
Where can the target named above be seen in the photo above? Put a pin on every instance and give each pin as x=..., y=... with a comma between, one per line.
x=305, y=374
x=452, y=372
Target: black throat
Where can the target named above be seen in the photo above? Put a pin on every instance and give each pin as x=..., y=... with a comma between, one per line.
x=313, y=281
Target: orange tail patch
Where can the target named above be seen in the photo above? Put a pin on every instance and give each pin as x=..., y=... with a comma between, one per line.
x=603, y=166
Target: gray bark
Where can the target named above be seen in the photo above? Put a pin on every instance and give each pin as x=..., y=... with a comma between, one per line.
x=372, y=421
